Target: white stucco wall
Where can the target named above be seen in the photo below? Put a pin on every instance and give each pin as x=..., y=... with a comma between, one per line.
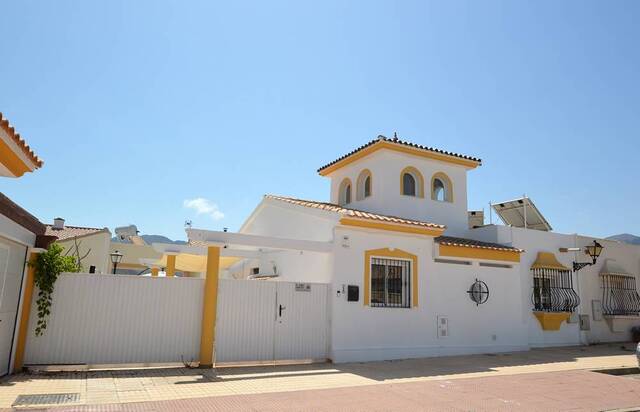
x=386, y=167
x=278, y=219
x=367, y=333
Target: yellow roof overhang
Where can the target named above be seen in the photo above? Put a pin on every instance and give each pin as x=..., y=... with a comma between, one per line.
x=547, y=260
x=460, y=251
x=16, y=157
x=393, y=227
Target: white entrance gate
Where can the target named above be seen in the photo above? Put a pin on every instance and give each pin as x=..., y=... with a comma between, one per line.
x=268, y=321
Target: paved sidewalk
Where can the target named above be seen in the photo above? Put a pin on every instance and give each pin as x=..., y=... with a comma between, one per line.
x=150, y=385
x=552, y=391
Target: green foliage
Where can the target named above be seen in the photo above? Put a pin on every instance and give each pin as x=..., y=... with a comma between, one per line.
x=48, y=266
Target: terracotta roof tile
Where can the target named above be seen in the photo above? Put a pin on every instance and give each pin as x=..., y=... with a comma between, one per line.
x=403, y=143
x=354, y=213
x=11, y=131
x=69, y=232
x=471, y=243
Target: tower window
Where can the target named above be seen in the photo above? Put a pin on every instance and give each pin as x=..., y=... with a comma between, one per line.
x=438, y=190
x=364, y=185
x=441, y=188
x=345, y=192
x=367, y=186
x=409, y=184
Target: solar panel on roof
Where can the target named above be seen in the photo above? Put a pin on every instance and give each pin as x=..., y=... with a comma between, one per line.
x=521, y=213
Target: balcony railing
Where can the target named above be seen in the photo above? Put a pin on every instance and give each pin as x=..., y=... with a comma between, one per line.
x=553, y=291
x=619, y=295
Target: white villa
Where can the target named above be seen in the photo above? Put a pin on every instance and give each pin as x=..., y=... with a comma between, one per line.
x=394, y=266
x=405, y=260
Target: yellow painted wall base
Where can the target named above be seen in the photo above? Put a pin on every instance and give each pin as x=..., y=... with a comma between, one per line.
x=551, y=320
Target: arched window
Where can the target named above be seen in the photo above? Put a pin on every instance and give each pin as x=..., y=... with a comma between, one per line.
x=411, y=182
x=364, y=185
x=344, y=197
x=408, y=184
x=441, y=188
x=438, y=190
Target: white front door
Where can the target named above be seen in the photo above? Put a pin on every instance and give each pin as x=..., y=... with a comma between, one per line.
x=301, y=321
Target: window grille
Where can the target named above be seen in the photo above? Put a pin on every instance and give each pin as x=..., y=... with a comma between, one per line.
x=553, y=291
x=390, y=283
x=619, y=295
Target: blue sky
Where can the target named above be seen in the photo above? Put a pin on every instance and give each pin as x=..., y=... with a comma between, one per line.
x=139, y=106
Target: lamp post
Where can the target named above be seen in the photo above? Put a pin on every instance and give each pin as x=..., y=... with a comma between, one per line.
x=592, y=250
x=116, y=257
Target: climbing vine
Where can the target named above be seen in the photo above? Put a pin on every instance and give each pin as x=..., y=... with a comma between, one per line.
x=48, y=266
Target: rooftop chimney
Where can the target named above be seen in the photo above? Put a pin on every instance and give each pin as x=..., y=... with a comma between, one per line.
x=58, y=223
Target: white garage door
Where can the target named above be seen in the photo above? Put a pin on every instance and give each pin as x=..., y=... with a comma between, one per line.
x=12, y=257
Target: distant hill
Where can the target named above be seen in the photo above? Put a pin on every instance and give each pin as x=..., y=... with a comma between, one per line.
x=626, y=238
x=149, y=239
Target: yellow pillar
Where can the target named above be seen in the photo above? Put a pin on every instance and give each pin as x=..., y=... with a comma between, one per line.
x=25, y=313
x=210, y=304
x=171, y=265
x=154, y=272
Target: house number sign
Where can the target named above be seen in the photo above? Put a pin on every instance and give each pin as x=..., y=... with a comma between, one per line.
x=303, y=287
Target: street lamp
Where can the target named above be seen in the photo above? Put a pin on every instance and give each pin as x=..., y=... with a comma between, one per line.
x=116, y=257
x=592, y=250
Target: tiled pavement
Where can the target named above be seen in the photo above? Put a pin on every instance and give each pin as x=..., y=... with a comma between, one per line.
x=551, y=391
x=548, y=378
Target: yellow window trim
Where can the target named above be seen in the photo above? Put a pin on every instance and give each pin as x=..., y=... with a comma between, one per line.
x=390, y=253
x=419, y=181
x=398, y=148
x=448, y=186
x=360, y=182
x=551, y=320
x=368, y=224
x=12, y=161
x=479, y=253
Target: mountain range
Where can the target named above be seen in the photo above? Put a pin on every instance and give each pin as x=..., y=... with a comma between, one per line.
x=626, y=238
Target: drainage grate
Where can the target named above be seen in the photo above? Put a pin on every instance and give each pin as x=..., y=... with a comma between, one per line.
x=46, y=399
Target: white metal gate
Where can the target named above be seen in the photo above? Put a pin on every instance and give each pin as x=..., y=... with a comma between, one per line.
x=267, y=321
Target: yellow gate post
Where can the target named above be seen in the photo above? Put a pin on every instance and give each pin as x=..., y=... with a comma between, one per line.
x=209, y=307
x=25, y=313
x=171, y=265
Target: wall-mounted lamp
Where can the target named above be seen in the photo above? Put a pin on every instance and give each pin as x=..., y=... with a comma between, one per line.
x=592, y=250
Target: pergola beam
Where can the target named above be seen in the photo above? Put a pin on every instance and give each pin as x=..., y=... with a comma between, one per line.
x=171, y=248
x=240, y=239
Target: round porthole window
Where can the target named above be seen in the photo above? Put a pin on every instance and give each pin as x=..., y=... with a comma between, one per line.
x=479, y=292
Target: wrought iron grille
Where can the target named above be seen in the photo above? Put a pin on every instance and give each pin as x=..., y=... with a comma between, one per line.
x=619, y=295
x=553, y=291
x=390, y=283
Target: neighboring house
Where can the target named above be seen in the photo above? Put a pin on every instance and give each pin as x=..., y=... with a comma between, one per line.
x=20, y=235
x=409, y=270
x=89, y=245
